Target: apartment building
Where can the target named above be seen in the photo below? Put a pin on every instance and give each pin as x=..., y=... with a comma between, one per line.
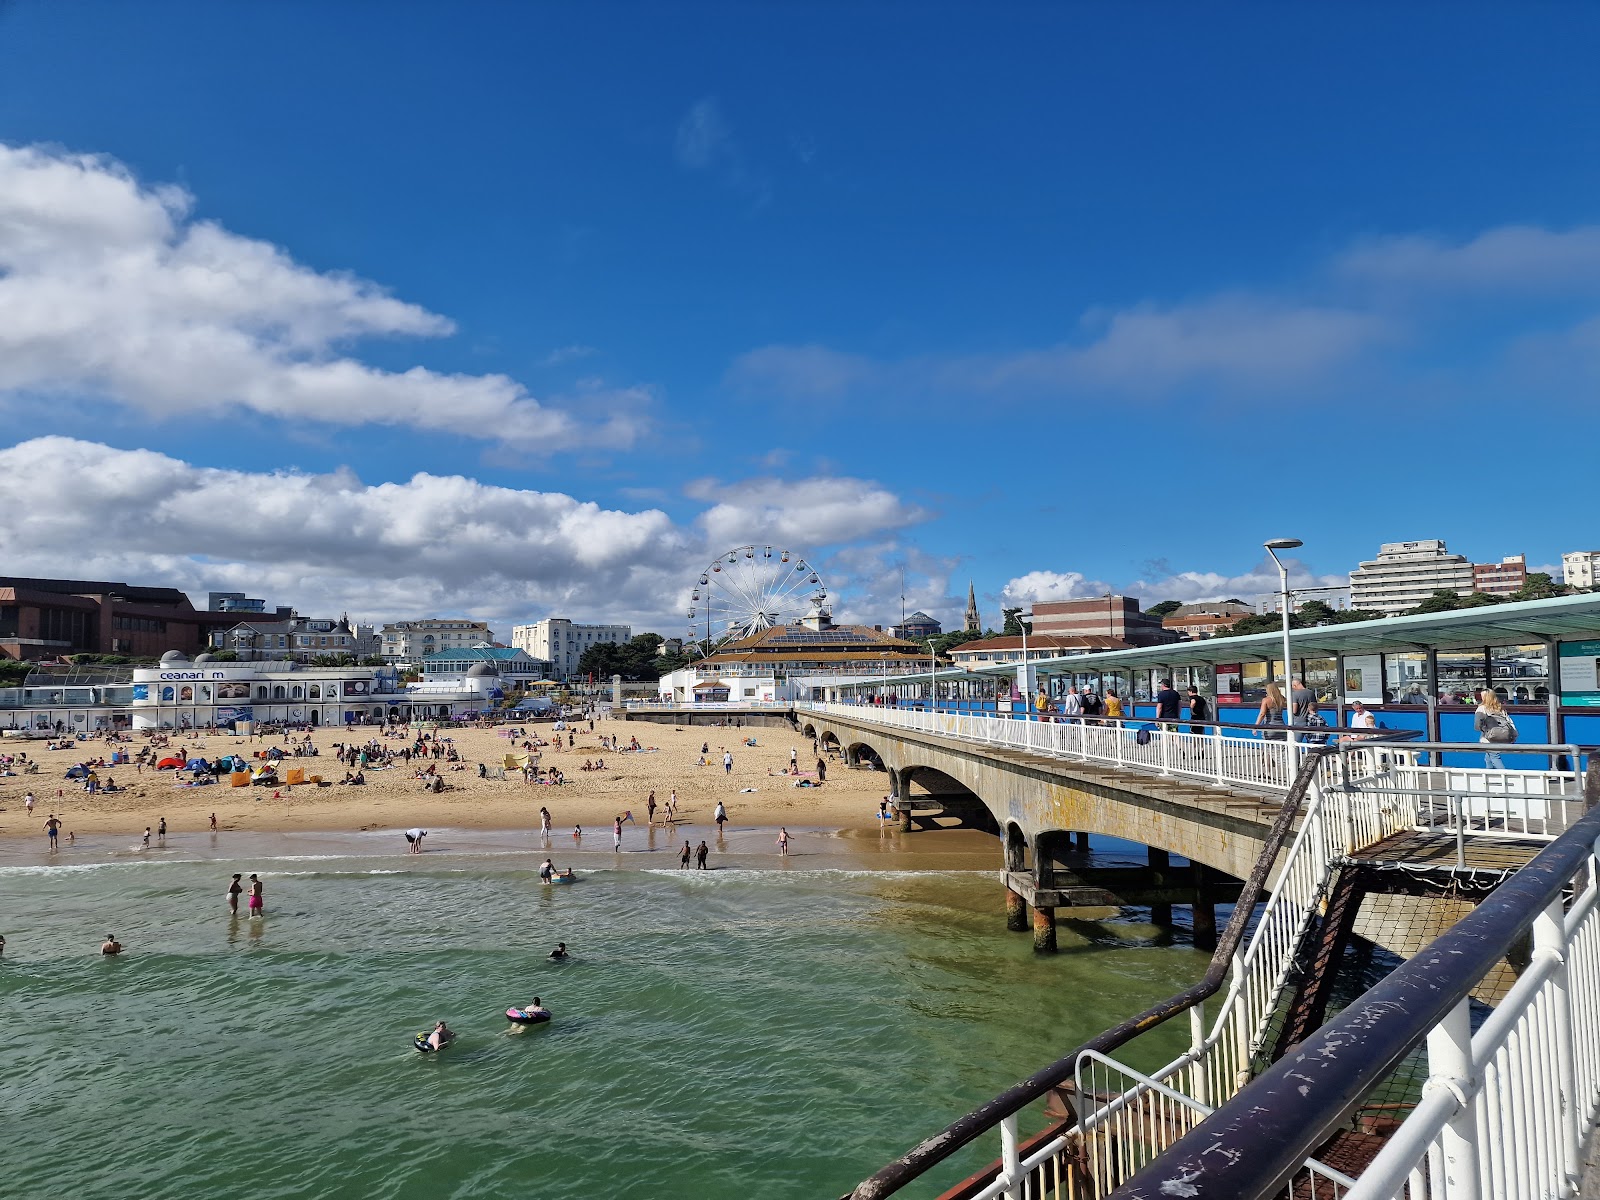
x=1405, y=574
x=412, y=641
x=561, y=642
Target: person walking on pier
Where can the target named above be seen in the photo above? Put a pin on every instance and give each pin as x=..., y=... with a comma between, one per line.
x=1199, y=711
x=1168, y=704
x=1071, y=705
x=1494, y=727
x=1271, y=712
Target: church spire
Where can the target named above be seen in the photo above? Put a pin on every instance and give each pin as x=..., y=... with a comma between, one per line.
x=974, y=621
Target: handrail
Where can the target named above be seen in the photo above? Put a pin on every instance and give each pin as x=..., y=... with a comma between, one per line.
x=936, y=1149
x=1252, y=1145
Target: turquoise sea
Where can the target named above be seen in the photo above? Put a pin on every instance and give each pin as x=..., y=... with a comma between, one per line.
x=767, y=1028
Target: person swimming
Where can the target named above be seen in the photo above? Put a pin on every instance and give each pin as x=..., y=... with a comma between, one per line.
x=536, y=1008
x=559, y=953
x=441, y=1036
x=111, y=946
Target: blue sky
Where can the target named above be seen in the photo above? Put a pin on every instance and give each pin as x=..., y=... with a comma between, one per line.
x=511, y=310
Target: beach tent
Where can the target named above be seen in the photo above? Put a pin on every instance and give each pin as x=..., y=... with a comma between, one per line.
x=170, y=764
x=197, y=764
x=515, y=762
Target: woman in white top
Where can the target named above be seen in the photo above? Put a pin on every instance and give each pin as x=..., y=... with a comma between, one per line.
x=1493, y=726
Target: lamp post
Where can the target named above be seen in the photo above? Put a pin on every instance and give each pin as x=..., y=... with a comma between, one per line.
x=933, y=678
x=1272, y=548
x=1023, y=677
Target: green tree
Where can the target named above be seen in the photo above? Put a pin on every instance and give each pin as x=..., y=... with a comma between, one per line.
x=372, y=660
x=635, y=659
x=1013, y=622
x=947, y=642
x=1538, y=586
x=1163, y=608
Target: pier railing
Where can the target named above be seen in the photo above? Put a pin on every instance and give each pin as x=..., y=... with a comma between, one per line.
x=1340, y=799
x=1504, y=1110
x=1493, y=802
x=1344, y=796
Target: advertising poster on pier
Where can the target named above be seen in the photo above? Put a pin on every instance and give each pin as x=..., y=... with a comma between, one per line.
x=1363, y=678
x=1580, y=674
x=1230, y=684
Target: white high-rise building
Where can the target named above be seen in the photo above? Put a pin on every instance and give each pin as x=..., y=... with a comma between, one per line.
x=1405, y=574
x=561, y=642
x=1580, y=568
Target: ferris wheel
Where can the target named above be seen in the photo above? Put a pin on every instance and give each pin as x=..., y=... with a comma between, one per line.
x=751, y=588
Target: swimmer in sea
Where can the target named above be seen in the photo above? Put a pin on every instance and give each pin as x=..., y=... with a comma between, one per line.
x=546, y=870
x=257, y=904
x=234, y=890
x=559, y=953
x=536, y=1008
x=441, y=1036
x=683, y=858
x=111, y=945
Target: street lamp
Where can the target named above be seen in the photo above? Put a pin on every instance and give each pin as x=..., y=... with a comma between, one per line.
x=933, y=678
x=1023, y=676
x=1272, y=548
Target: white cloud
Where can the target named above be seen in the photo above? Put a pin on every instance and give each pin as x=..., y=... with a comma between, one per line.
x=1238, y=342
x=705, y=143
x=1049, y=585
x=566, y=354
x=328, y=543
x=702, y=135
x=797, y=514
x=109, y=289
x=1159, y=582
x=1510, y=257
x=1315, y=333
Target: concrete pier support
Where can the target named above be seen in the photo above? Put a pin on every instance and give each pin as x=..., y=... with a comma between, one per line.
x=1016, y=912
x=1159, y=860
x=1083, y=842
x=1044, y=931
x=1205, y=909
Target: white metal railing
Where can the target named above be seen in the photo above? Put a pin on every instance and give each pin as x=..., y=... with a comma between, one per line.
x=1493, y=802
x=1505, y=1110
x=1358, y=796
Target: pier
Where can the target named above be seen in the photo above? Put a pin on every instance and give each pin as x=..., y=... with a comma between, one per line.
x=1371, y=838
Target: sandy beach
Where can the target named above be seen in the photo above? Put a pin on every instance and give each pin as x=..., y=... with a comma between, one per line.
x=755, y=792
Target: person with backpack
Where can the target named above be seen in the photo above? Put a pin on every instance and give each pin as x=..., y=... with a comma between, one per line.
x=1494, y=727
x=1199, y=711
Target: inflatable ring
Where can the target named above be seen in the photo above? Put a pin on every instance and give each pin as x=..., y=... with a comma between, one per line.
x=422, y=1044
x=520, y=1016
x=561, y=879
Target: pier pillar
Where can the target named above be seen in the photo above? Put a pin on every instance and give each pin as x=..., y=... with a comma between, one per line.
x=1205, y=909
x=1044, y=931
x=1016, y=912
x=1159, y=860
x=905, y=819
x=1083, y=842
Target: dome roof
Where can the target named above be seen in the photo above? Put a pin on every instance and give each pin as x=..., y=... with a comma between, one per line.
x=200, y=658
x=480, y=669
x=174, y=656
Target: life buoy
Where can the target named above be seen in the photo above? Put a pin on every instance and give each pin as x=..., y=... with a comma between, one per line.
x=425, y=1047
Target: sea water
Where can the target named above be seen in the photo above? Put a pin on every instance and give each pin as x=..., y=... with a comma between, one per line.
x=767, y=1028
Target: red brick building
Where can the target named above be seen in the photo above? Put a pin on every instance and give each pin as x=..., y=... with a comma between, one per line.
x=46, y=618
x=1104, y=616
